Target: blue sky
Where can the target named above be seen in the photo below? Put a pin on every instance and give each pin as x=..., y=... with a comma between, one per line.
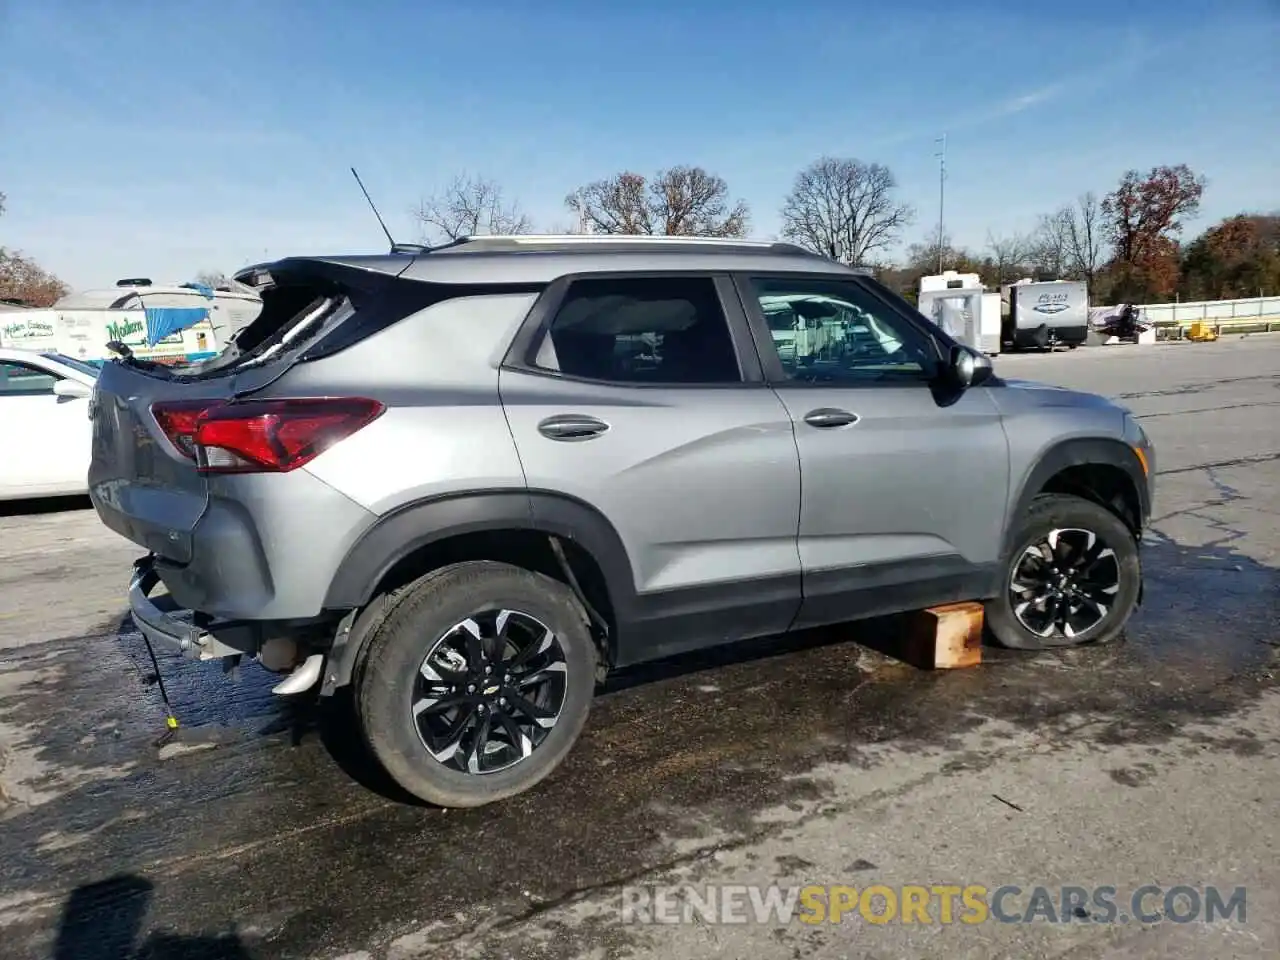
x=163, y=138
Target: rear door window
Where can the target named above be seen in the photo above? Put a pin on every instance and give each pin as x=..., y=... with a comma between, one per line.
x=643, y=330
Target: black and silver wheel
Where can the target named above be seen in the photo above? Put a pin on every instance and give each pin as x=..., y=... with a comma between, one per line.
x=1072, y=577
x=489, y=692
x=477, y=683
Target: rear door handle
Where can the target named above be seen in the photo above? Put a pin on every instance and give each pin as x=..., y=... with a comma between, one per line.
x=572, y=426
x=825, y=417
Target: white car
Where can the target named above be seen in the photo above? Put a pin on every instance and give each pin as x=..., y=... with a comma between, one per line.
x=45, y=435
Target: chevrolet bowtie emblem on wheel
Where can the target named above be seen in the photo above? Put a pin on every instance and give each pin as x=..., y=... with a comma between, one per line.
x=490, y=691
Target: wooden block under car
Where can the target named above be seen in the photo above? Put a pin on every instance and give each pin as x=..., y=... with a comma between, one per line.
x=948, y=637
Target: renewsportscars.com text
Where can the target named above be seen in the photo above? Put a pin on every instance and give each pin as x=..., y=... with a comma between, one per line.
x=931, y=904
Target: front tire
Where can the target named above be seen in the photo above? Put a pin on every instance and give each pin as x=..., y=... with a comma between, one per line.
x=1072, y=577
x=477, y=683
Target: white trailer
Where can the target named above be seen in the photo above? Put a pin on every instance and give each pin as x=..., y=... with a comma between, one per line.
x=84, y=334
x=232, y=307
x=1047, y=313
x=961, y=306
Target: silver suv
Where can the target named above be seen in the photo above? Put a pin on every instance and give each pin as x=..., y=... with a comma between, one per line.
x=470, y=480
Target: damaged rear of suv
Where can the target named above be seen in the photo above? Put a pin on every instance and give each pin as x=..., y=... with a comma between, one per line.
x=210, y=466
x=469, y=481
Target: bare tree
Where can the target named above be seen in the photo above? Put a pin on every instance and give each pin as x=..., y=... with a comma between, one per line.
x=843, y=208
x=211, y=278
x=1086, y=238
x=1007, y=254
x=1069, y=243
x=469, y=207
x=619, y=204
x=921, y=260
x=1050, y=247
x=681, y=201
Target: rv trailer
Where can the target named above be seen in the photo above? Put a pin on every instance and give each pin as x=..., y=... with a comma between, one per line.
x=1047, y=313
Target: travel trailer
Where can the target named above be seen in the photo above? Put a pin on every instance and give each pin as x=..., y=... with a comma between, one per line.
x=1047, y=313
x=961, y=305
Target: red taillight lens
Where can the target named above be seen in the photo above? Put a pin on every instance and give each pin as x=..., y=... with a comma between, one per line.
x=256, y=436
x=178, y=421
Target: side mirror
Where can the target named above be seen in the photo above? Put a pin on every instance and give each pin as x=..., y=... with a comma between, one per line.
x=71, y=390
x=968, y=367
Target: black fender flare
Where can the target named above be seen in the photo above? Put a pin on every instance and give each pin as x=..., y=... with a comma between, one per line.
x=1078, y=452
x=413, y=526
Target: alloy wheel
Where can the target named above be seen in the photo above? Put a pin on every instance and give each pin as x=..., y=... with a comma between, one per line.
x=489, y=692
x=1065, y=583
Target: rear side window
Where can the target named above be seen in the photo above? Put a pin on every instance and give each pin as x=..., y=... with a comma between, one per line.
x=641, y=330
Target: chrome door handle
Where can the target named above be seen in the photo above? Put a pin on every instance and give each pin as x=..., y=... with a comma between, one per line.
x=825, y=417
x=572, y=426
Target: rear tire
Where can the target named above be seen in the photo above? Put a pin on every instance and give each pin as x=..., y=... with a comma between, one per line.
x=467, y=626
x=1073, y=577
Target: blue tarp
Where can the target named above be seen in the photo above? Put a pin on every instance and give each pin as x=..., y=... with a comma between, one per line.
x=166, y=321
x=202, y=288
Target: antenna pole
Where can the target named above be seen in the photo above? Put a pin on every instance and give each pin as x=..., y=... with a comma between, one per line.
x=381, y=223
x=942, y=192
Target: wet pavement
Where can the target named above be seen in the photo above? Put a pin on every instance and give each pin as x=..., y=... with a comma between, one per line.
x=261, y=831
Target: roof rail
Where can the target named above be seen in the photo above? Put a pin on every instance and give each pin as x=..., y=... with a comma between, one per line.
x=496, y=242
x=592, y=238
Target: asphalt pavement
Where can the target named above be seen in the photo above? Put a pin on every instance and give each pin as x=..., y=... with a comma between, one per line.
x=261, y=831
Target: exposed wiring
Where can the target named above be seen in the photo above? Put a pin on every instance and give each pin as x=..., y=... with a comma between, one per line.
x=170, y=721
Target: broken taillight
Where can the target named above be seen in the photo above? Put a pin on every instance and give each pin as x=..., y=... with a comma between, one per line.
x=262, y=436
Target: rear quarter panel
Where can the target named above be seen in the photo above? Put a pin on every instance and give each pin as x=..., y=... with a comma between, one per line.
x=444, y=430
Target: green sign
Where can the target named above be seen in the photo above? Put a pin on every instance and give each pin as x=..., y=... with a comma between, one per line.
x=119, y=330
x=25, y=329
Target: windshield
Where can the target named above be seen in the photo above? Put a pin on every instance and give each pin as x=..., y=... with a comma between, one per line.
x=88, y=369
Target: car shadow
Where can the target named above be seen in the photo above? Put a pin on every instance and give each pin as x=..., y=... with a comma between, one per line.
x=747, y=651
x=1193, y=596
x=105, y=920
x=335, y=720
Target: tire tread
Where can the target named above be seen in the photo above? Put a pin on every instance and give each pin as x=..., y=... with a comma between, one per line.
x=424, y=600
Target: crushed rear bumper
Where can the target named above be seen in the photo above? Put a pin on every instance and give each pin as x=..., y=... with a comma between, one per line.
x=168, y=625
x=164, y=624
